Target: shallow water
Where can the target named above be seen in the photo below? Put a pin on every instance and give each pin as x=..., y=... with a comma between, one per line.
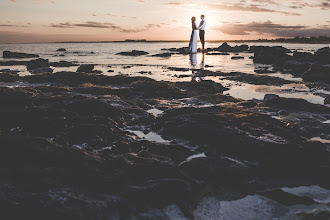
x=104, y=54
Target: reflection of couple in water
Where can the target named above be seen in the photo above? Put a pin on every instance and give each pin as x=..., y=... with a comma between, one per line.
x=193, y=63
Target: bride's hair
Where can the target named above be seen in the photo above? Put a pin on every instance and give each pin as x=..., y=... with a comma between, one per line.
x=193, y=19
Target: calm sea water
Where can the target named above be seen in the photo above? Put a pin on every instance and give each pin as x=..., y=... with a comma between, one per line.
x=104, y=55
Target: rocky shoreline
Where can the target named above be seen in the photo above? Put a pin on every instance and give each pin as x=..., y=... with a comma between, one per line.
x=82, y=145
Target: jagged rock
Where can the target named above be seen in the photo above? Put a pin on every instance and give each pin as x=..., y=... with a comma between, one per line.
x=317, y=73
x=225, y=47
x=133, y=53
x=270, y=96
x=9, y=54
x=36, y=64
x=85, y=68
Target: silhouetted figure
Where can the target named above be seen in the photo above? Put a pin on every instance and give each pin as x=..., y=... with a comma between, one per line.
x=201, y=29
x=193, y=38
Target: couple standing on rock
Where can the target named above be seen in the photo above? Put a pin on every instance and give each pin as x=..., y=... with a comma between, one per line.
x=193, y=38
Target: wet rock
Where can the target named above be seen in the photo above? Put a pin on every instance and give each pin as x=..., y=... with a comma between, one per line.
x=225, y=47
x=61, y=50
x=317, y=73
x=37, y=64
x=133, y=53
x=223, y=53
x=62, y=63
x=85, y=68
x=315, y=214
x=162, y=55
x=170, y=190
x=296, y=67
x=269, y=55
x=283, y=112
x=288, y=199
x=42, y=70
x=323, y=55
x=237, y=58
x=8, y=54
x=178, y=69
x=9, y=71
x=8, y=77
x=270, y=96
x=296, y=105
x=327, y=100
x=215, y=169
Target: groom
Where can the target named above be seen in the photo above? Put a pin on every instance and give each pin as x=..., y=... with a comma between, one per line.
x=201, y=29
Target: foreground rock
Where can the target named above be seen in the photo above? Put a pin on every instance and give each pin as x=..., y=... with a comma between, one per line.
x=133, y=53
x=65, y=150
x=15, y=55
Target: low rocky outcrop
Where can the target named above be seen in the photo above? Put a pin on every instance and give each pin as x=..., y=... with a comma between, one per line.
x=62, y=63
x=61, y=50
x=162, y=55
x=85, y=68
x=270, y=55
x=225, y=47
x=133, y=53
x=15, y=55
x=317, y=73
x=38, y=66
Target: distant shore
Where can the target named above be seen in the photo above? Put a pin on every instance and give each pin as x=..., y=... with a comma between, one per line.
x=297, y=40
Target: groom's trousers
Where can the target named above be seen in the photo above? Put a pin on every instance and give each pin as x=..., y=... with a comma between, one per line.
x=202, y=37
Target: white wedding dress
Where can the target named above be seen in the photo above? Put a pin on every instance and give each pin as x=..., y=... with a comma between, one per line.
x=193, y=39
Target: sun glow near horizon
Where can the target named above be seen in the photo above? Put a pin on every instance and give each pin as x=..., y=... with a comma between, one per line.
x=58, y=20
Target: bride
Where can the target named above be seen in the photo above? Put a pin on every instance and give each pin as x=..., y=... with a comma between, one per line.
x=193, y=38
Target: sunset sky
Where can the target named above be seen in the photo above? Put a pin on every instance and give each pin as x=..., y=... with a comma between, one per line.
x=106, y=20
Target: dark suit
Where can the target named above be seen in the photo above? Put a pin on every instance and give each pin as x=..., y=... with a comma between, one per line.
x=202, y=33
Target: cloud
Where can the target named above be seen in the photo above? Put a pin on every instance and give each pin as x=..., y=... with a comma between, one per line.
x=106, y=25
x=247, y=8
x=239, y=7
x=273, y=29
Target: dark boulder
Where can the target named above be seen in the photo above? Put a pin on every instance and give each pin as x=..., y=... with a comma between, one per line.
x=36, y=64
x=133, y=53
x=85, y=68
x=317, y=73
x=323, y=55
x=8, y=54
x=270, y=55
x=270, y=96
x=61, y=50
